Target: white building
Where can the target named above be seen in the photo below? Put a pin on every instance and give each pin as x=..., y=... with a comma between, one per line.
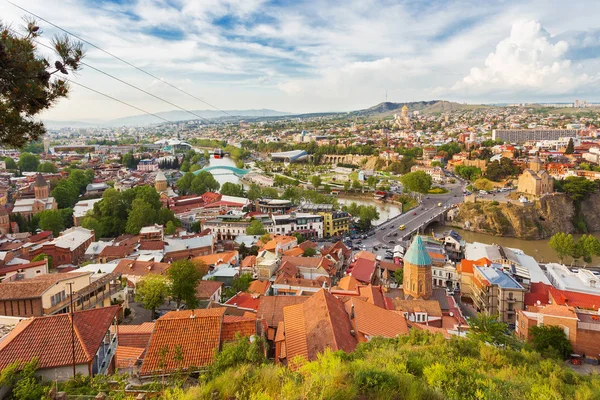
x=573, y=279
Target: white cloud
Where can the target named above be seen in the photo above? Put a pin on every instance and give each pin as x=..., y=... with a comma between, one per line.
x=527, y=60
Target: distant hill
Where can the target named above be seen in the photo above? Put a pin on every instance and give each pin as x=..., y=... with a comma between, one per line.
x=175, y=115
x=426, y=107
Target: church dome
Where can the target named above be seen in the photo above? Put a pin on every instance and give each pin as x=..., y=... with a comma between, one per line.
x=417, y=253
x=160, y=177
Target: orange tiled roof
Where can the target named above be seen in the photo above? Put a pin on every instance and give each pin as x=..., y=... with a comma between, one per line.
x=195, y=313
x=233, y=326
x=205, y=289
x=248, y=262
x=558, y=311
x=320, y=322
x=227, y=257
x=259, y=287
x=431, y=307
x=49, y=338
x=34, y=287
x=348, y=283
x=127, y=357
x=371, y=320
x=294, y=252
x=195, y=340
x=244, y=300
x=141, y=268
x=270, y=308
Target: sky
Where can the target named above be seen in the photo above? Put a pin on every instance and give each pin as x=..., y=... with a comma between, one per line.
x=316, y=56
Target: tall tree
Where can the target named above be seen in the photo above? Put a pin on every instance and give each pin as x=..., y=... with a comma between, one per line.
x=563, y=244
x=546, y=338
x=231, y=189
x=151, y=291
x=184, y=277
x=27, y=162
x=52, y=220
x=570, y=147
x=141, y=214
x=204, y=182
x=28, y=82
x=417, y=181
x=256, y=228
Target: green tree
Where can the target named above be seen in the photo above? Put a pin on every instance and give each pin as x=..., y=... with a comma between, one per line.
x=254, y=191
x=231, y=189
x=48, y=167
x=589, y=247
x=65, y=193
x=184, y=184
x=570, y=147
x=356, y=184
x=399, y=276
x=372, y=181
x=151, y=291
x=563, y=244
x=52, y=220
x=204, y=182
x=165, y=216
x=298, y=237
x=10, y=163
x=196, y=227
x=486, y=328
x=548, y=339
x=418, y=181
x=309, y=252
x=27, y=162
x=316, y=181
x=184, y=278
x=142, y=214
x=347, y=185
x=256, y=228
x=403, y=166
x=170, y=228
x=30, y=83
x=578, y=187
x=94, y=225
x=42, y=257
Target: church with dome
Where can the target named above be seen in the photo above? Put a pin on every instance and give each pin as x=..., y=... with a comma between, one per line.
x=402, y=121
x=41, y=201
x=535, y=180
x=417, y=280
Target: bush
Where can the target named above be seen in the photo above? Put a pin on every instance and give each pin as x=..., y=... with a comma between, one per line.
x=438, y=190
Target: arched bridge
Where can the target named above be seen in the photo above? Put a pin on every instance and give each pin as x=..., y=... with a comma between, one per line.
x=235, y=170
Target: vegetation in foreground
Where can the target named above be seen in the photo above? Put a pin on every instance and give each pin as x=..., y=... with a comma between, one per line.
x=417, y=366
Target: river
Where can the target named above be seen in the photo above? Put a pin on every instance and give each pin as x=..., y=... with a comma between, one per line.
x=223, y=175
x=538, y=249
x=386, y=210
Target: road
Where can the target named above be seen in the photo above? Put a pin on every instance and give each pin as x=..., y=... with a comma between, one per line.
x=415, y=218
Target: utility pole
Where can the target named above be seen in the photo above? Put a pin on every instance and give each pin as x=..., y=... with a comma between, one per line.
x=72, y=326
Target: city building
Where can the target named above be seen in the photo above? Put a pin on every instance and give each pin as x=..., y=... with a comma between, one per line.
x=573, y=280
x=51, y=341
x=436, y=173
x=274, y=206
x=69, y=247
x=494, y=291
x=417, y=271
x=41, y=201
x=519, y=136
x=582, y=327
x=81, y=209
x=335, y=223
x=535, y=180
x=50, y=293
x=147, y=165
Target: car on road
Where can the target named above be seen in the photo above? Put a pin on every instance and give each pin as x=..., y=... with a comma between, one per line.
x=402, y=227
x=415, y=213
x=392, y=241
x=439, y=204
x=388, y=257
x=395, y=234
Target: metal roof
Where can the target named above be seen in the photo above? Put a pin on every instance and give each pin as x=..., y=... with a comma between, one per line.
x=416, y=253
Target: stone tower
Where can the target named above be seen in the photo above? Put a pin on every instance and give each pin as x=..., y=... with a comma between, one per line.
x=536, y=164
x=160, y=183
x=41, y=188
x=417, y=271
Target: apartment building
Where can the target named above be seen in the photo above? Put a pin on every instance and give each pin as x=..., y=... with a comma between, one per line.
x=494, y=291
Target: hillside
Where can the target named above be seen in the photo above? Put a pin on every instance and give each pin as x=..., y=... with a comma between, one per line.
x=537, y=220
x=432, y=107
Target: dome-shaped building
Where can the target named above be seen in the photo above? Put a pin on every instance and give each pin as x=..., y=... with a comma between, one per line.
x=417, y=280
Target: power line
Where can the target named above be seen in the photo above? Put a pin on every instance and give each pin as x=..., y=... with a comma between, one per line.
x=109, y=96
x=133, y=86
x=115, y=99
x=120, y=59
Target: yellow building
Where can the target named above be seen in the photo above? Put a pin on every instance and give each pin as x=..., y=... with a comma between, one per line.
x=335, y=223
x=535, y=180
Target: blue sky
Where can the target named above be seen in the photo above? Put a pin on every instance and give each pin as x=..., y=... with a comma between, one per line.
x=322, y=55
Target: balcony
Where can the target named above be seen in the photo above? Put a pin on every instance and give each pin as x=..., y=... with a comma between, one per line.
x=89, y=296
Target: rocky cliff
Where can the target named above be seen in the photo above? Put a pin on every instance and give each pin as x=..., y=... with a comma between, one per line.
x=536, y=220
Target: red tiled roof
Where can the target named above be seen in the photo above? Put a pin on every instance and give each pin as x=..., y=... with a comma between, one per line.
x=319, y=323
x=15, y=267
x=537, y=292
x=152, y=245
x=205, y=289
x=245, y=301
x=310, y=262
x=248, y=262
x=307, y=244
x=140, y=268
x=116, y=251
x=270, y=308
x=574, y=299
x=127, y=357
x=259, y=287
x=195, y=340
x=294, y=252
x=34, y=287
x=233, y=326
x=371, y=320
x=40, y=236
x=362, y=270
x=49, y=338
